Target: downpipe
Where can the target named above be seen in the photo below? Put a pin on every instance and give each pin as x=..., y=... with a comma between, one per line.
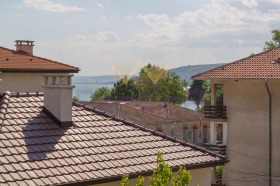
x=270, y=133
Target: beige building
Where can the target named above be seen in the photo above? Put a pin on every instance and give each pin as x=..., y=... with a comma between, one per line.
x=248, y=121
x=21, y=71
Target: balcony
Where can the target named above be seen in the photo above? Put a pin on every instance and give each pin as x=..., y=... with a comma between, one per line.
x=218, y=149
x=218, y=112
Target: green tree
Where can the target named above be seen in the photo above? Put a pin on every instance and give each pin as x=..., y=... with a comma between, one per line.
x=177, y=89
x=101, y=94
x=125, y=89
x=150, y=78
x=162, y=175
x=196, y=92
x=206, y=86
x=275, y=40
x=75, y=98
x=157, y=84
x=219, y=172
x=183, y=178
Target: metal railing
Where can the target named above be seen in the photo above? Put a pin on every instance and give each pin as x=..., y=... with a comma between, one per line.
x=218, y=149
x=215, y=112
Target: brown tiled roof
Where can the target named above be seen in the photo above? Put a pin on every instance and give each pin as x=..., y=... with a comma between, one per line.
x=264, y=65
x=34, y=150
x=16, y=61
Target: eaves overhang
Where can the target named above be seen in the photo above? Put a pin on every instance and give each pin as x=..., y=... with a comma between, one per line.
x=143, y=173
x=38, y=71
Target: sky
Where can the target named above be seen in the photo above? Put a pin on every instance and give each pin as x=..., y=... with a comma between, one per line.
x=112, y=37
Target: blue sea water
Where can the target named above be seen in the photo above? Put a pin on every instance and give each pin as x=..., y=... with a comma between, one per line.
x=84, y=91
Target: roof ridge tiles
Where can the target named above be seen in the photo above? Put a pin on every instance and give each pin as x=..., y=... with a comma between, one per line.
x=26, y=94
x=150, y=130
x=5, y=97
x=149, y=113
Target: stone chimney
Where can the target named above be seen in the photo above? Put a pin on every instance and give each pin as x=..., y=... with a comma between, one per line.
x=24, y=46
x=58, y=97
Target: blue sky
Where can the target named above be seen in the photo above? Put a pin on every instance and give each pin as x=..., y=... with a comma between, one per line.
x=104, y=37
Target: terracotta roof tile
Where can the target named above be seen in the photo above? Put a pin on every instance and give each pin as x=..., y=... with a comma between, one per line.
x=14, y=61
x=34, y=150
x=264, y=65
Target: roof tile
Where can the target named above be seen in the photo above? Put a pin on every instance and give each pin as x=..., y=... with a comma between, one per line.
x=264, y=65
x=36, y=151
x=13, y=61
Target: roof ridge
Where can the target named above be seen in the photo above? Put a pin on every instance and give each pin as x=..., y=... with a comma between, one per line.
x=31, y=55
x=26, y=94
x=237, y=61
x=5, y=98
x=145, y=112
x=185, y=108
x=148, y=130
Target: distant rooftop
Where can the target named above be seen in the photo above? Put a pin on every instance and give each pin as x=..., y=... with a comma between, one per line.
x=264, y=65
x=19, y=61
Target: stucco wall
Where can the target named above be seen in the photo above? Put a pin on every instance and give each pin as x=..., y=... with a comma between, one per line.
x=248, y=131
x=21, y=82
x=201, y=177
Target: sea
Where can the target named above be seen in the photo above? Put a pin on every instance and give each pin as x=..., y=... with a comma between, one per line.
x=83, y=92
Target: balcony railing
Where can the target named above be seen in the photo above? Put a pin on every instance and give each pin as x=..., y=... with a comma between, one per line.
x=215, y=112
x=218, y=149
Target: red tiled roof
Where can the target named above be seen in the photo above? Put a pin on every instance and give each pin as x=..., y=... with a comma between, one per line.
x=264, y=65
x=16, y=61
x=34, y=150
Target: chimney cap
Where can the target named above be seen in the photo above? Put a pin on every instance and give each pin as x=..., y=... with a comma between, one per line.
x=24, y=42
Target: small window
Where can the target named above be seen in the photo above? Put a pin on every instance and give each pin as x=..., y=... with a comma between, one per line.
x=185, y=133
x=205, y=134
x=195, y=134
x=220, y=132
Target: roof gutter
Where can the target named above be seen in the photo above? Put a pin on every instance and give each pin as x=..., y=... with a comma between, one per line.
x=270, y=133
x=194, y=78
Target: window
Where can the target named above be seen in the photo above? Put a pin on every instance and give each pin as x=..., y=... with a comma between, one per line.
x=185, y=133
x=219, y=94
x=220, y=132
x=195, y=134
x=205, y=134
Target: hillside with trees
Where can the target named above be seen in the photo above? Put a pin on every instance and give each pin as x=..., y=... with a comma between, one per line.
x=153, y=84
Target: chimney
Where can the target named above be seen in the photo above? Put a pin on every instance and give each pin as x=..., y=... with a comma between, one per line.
x=58, y=97
x=24, y=46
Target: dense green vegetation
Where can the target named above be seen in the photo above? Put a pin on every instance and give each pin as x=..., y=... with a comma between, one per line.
x=125, y=89
x=101, y=94
x=162, y=175
x=153, y=84
x=275, y=42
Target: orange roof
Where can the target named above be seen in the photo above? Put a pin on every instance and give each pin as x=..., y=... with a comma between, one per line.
x=16, y=61
x=264, y=65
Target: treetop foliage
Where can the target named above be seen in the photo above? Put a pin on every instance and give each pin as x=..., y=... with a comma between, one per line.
x=102, y=93
x=153, y=84
x=162, y=175
x=275, y=40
